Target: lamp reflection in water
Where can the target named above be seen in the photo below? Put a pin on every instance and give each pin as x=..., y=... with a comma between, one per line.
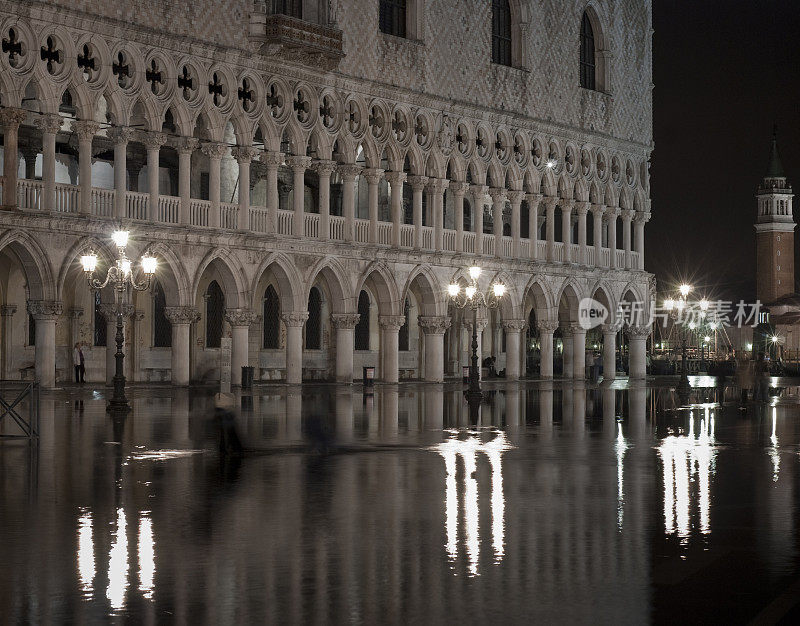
x=620, y=446
x=774, y=455
x=468, y=449
x=688, y=458
x=118, y=566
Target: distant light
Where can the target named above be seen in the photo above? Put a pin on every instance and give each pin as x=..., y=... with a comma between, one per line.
x=692, y=325
x=713, y=325
x=474, y=272
x=704, y=305
x=749, y=346
x=120, y=238
x=551, y=163
x=774, y=338
x=453, y=289
x=669, y=303
x=707, y=338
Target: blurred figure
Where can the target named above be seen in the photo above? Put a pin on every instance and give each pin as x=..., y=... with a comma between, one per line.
x=744, y=378
x=229, y=442
x=79, y=362
x=761, y=382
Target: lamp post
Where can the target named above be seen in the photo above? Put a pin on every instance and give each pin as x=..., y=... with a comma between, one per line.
x=674, y=307
x=119, y=276
x=471, y=296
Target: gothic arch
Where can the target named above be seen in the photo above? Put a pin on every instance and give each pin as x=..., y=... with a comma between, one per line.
x=103, y=250
x=329, y=271
x=430, y=294
x=230, y=275
x=538, y=291
x=380, y=281
x=176, y=280
x=34, y=262
x=288, y=282
x=570, y=295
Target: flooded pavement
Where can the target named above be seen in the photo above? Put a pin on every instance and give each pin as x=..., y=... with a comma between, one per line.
x=562, y=504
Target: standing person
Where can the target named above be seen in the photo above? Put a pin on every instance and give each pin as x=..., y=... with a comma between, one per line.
x=83, y=363
x=77, y=361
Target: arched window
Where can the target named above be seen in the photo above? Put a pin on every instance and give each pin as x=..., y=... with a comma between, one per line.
x=292, y=8
x=392, y=17
x=506, y=229
x=362, y=328
x=588, y=66
x=100, y=325
x=467, y=215
x=31, y=330
x=271, y=319
x=162, y=329
x=525, y=220
x=402, y=336
x=501, y=32
x=314, y=323
x=215, y=311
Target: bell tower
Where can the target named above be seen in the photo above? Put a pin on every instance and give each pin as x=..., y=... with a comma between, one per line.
x=774, y=232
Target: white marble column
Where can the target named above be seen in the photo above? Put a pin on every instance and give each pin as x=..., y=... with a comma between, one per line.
x=513, y=329
x=439, y=185
x=7, y=312
x=324, y=169
x=611, y=215
x=459, y=188
x=45, y=313
x=578, y=352
x=546, y=329
x=373, y=176
x=581, y=209
x=478, y=198
x=390, y=327
x=244, y=155
x=214, y=152
x=396, y=180
x=299, y=165
x=349, y=173
x=86, y=131
x=294, y=345
x=240, y=320
x=609, y=351
x=434, y=328
x=597, y=233
x=637, y=351
x=515, y=198
x=627, y=217
x=534, y=202
x=181, y=318
x=566, y=229
x=121, y=136
x=153, y=142
x=550, y=228
x=272, y=160
x=639, y=221
x=498, y=204
x=185, y=146
x=49, y=124
x=344, y=324
x=567, y=353
x=417, y=186
x=11, y=119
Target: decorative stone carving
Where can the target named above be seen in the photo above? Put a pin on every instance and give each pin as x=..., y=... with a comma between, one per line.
x=301, y=163
x=48, y=123
x=642, y=217
x=323, y=167
x=344, y=320
x=576, y=328
x=433, y=325
x=75, y=313
x=373, y=175
x=8, y=309
x=186, y=145
x=272, y=159
x=611, y=329
x=514, y=325
x=598, y=210
x=181, y=314
x=627, y=214
x=244, y=154
x=239, y=317
x=550, y=203
x=611, y=214
x=391, y=322
x=154, y=141
x=581, y=208
x=295, y=319
x=417, y=182
x=85, y=130
x=547, y=326
x=349, y=171
x=497, y=194
x=395, y=178
x=447, y=134
x=12, y=118
x=515, y=197
x=109, y=311
x=213, y=150
x=638, y=332
x=459, y=187
x=45, y=309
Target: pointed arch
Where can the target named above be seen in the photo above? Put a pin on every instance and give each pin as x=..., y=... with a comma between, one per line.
x=289, y=281
x=381, y=281
x=539, y=293
x=330, y=271
x=230, y=273
x=430, y=293
x=176, y=280
x=34, y=261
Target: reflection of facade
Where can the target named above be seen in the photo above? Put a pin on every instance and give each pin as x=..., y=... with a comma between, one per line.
x=310, y=188
x=688, y=465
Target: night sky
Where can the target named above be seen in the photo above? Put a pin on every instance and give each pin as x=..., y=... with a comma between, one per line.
x=724, y=73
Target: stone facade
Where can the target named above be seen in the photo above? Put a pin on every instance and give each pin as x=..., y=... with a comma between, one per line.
x=263, y=152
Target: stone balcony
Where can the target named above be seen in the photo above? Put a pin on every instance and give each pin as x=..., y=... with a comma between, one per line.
x=293, y=39
x=262, y=220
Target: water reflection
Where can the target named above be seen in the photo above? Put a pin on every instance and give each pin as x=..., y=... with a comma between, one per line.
x=147, y=553
x=118, y=565
x=86, y=569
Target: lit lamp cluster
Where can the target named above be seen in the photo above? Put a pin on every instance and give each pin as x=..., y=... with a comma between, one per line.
x=471, y=296
x=119, y=275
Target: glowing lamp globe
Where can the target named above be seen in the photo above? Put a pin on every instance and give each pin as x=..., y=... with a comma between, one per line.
x=474, y=272
x=149, y=264
x=704, y=305
x=89, y=262
x=499, y=290
x=685, y=289
x=125, y=266
x=120, y=238
x=470, y=291
x=669, y=304
x=453, y=290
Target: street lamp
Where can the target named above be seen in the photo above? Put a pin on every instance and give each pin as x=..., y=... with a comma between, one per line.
x=119, y=276
x=471, y=296
x=674, y=307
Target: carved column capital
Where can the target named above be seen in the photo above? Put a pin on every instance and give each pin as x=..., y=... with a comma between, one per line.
x=109, y=311
x=295, y=319
x=638, y=332
x=186, y=145
x=271, y=159
x=45, y=309
x=611, y=213
x=120, y=134
x=239, y=317
x=438, y=185
x=479, y=191
x=12, y=117
x=610, y=329
x=344, y=320
x=627, y=214
x=598, y=210
x=213, y=150
x=181, y=314
x=298, y=163
x=577, y=329
x=566, y=204
x=514, y=325
x=515, y=197
x=566, y=329
x=323, y=167
x=433, y=324
x=349, y=171
x=48, y=123
x=244, y=154
x=581, y=208
x=8, y=309
x=498, y=195
x=550, y=203
x=642, y=217
x=534, y=199
x=153, y=140
x=75, y=313
x=547, y=326
x=395, y=178
x=391, y=322
x=418, y=182
x=373, y=175
x=459, y=187
x=85, y=129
